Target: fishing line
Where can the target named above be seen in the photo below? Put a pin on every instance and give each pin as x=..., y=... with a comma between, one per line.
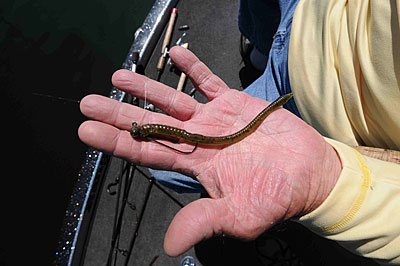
x=56, y=98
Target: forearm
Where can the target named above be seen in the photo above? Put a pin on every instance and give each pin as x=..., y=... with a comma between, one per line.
x=362, y=211
x=379, y=153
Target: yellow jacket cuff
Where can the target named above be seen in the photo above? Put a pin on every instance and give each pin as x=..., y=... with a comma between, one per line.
x=363, y=210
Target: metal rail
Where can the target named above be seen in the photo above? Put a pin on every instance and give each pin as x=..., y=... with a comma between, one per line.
x=81, y=208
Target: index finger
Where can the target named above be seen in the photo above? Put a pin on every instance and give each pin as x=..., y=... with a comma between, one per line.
x=120, y=143
x=110, y=133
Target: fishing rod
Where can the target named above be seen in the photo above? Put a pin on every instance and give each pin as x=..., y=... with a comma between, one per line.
x=164, y=52
x=166, y=43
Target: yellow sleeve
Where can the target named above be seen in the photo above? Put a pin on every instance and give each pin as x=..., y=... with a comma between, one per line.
x=344, y=69
x=362, y=213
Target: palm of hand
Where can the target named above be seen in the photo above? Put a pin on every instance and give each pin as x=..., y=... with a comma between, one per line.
x=269, y=176
x=263, y=178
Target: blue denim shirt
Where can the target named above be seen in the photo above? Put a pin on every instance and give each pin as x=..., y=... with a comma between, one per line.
x=257, y=21
x=253, y=16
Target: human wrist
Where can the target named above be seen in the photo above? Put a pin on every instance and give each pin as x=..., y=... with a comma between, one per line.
x=343, y=204
x=325, y=180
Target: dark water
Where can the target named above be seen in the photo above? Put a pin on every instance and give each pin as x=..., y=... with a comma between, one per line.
x=64, y=49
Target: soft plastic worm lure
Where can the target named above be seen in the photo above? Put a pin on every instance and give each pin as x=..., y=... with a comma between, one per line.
x=148, y=130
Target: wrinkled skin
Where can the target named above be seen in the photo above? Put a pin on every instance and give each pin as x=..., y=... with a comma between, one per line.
x=282, y=170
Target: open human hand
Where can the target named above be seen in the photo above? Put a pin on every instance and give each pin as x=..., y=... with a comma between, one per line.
x=282, y=170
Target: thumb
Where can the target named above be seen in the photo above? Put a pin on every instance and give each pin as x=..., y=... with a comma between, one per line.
x=199, y=220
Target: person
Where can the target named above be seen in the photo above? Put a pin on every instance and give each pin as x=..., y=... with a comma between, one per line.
x=340, y=60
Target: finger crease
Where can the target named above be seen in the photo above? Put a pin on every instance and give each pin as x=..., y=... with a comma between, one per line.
x=115, y=113
x=115, y=143
x=193, y=67
x=171, y=104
